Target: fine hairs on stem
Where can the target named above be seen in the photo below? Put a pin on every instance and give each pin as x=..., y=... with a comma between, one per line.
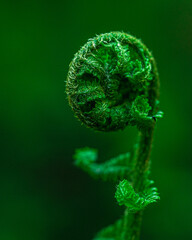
x=113, y=83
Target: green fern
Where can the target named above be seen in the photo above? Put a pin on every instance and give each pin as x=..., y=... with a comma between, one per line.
x=113, y=83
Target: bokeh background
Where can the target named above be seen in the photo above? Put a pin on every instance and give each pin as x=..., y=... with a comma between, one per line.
x=43, y=196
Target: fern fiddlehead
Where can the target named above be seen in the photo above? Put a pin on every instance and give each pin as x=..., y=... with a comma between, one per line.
x=113, y=83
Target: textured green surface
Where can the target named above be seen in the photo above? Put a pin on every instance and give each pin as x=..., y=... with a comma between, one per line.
x=110, y=80
x=113, y=82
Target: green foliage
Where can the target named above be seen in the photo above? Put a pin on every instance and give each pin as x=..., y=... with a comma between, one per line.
x=111, y=232
x=112, y=83
x=127, y=196
x=112, y=169
x=140, y=113
x=106, y=76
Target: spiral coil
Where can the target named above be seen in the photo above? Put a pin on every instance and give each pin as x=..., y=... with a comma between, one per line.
x=106, y=77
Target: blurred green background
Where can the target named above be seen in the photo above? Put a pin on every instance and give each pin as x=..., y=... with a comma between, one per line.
x=43, y=196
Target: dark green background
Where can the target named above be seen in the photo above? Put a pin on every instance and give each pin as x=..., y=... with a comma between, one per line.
x=42, y=194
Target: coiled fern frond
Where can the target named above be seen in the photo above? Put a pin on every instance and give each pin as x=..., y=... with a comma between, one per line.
x=113, y=83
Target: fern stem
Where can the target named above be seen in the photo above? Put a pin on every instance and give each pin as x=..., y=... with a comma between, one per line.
x=142, y=161
x=132, y=221
x=131, y=225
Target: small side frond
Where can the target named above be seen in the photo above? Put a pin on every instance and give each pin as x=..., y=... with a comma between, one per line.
x=113, y=169
x=112, y=232
x=120, y=160
x=140, y=110
x=126, y=195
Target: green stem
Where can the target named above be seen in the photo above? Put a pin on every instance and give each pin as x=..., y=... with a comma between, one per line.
x=132, y=221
